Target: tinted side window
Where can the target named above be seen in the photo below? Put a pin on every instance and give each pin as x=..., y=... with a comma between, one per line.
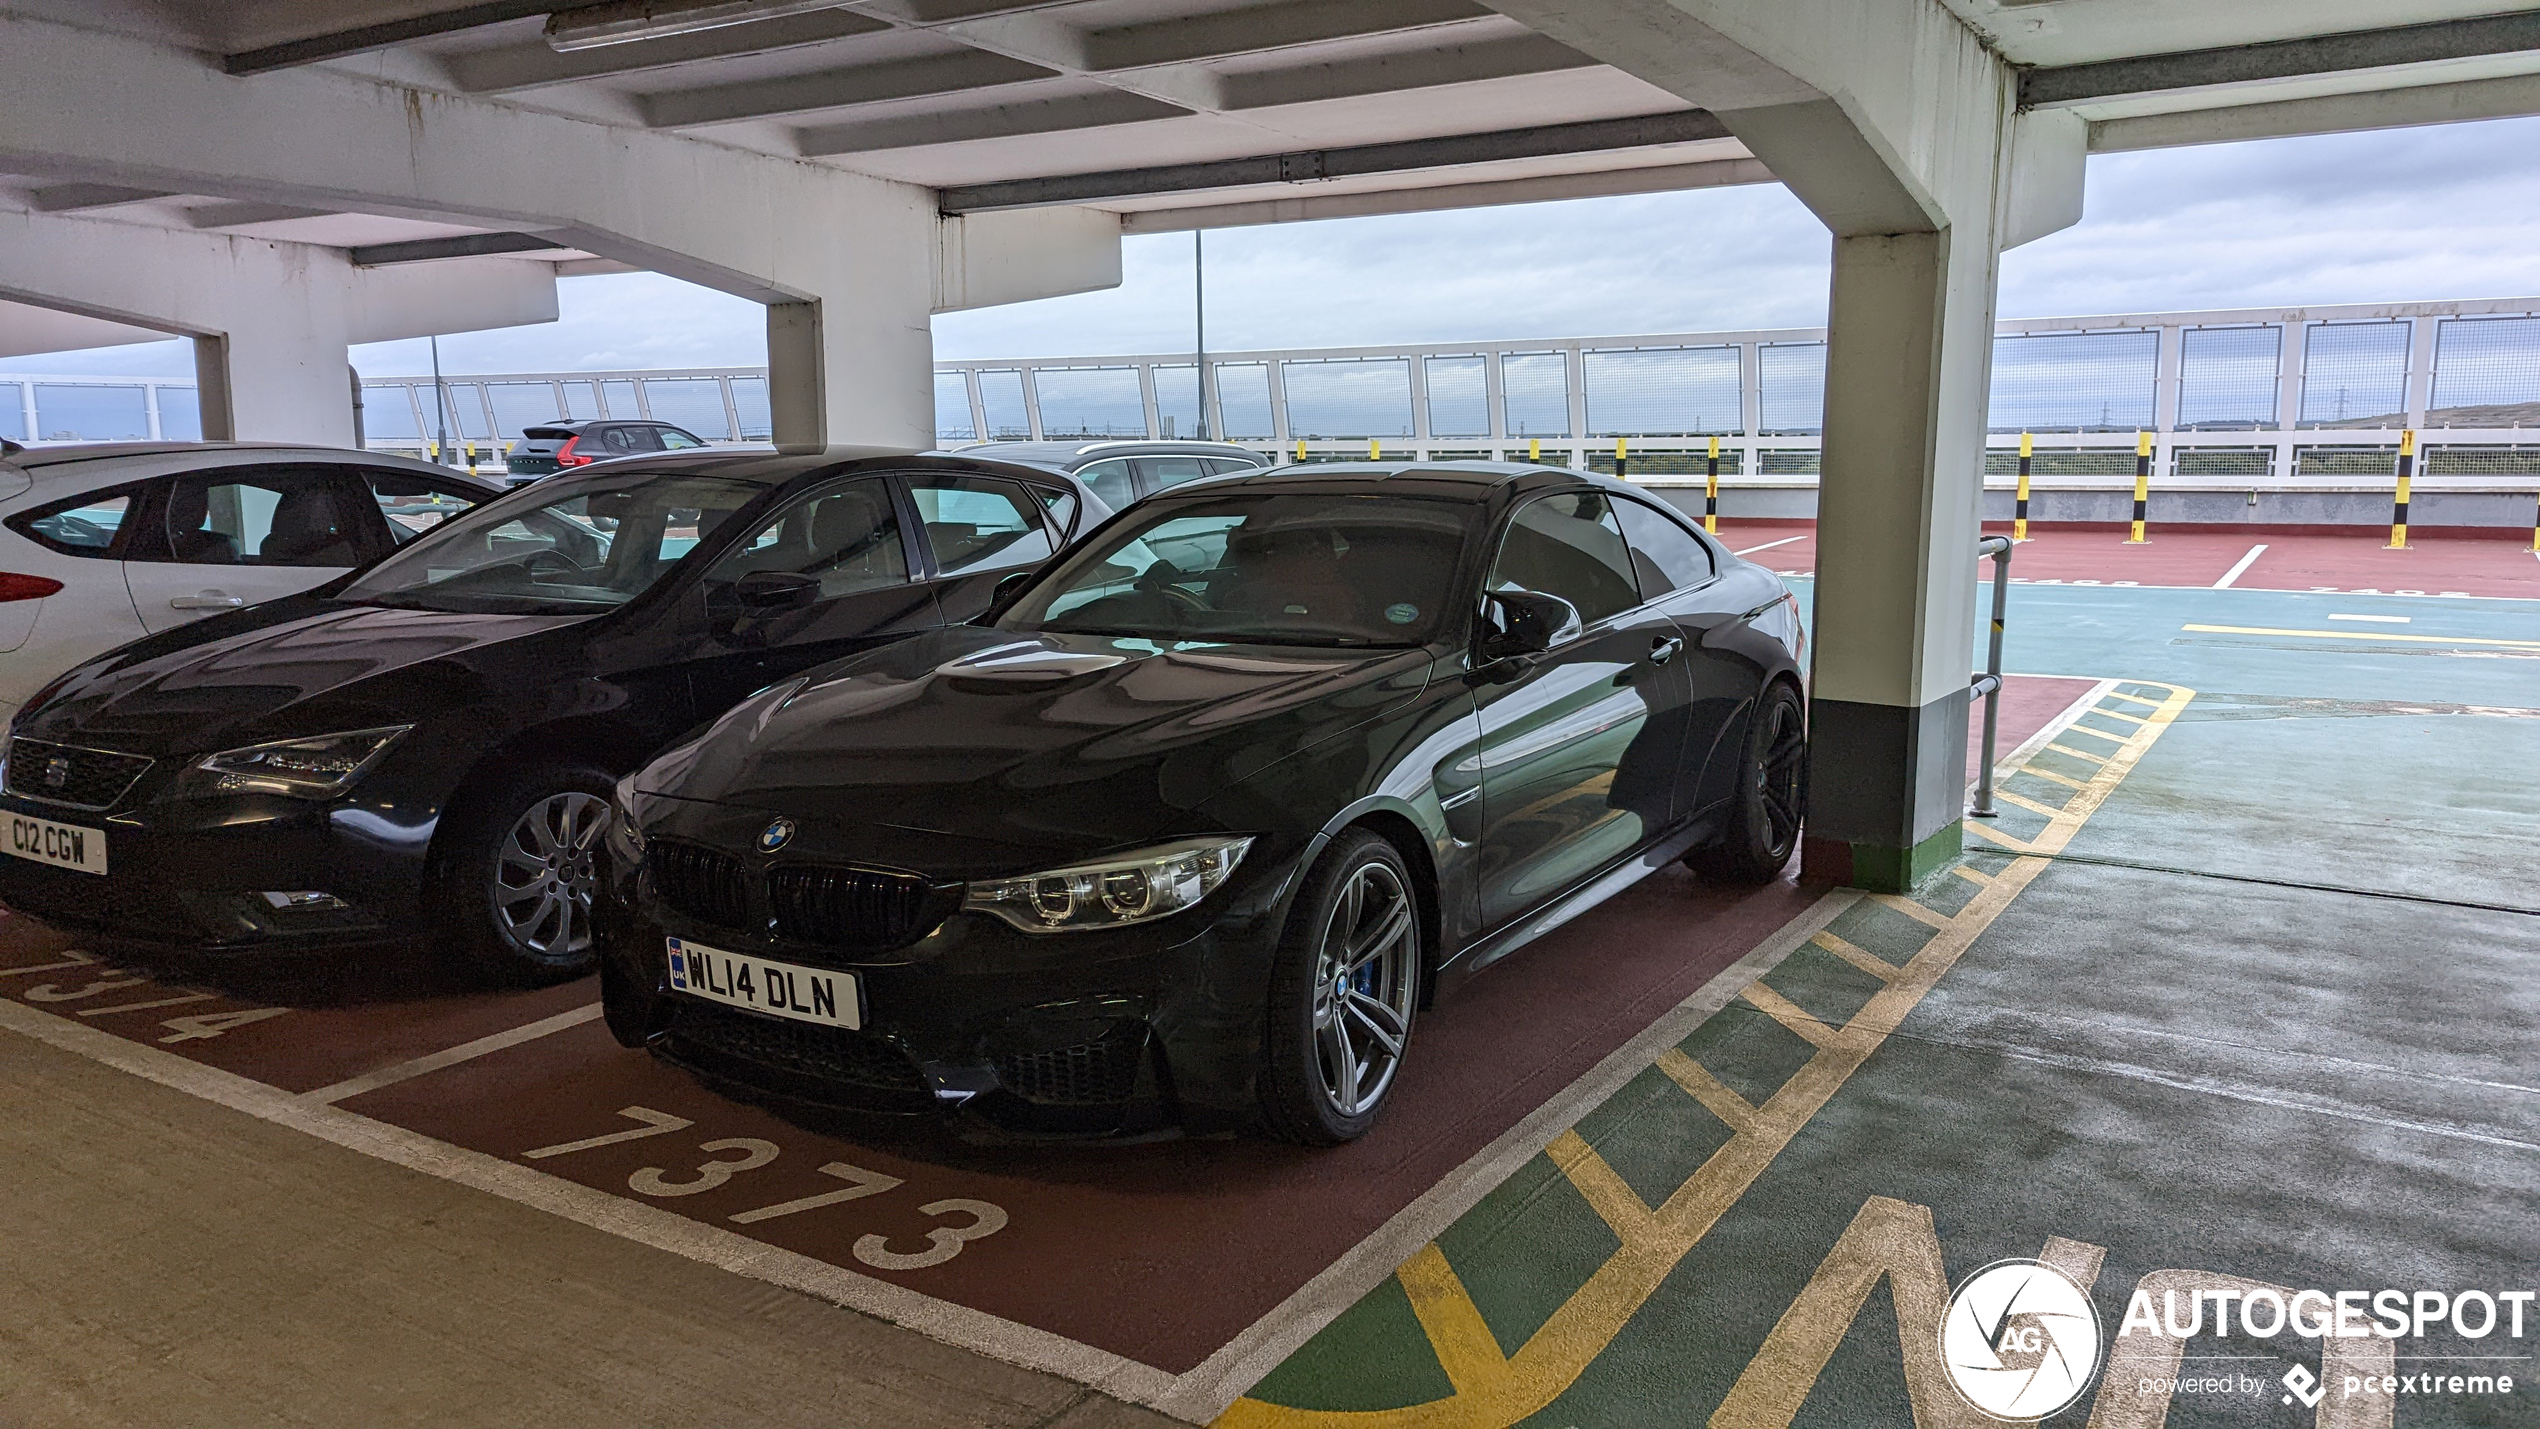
x=1110, y=481
x=273, y=517
x=674, y=440
x=1220, y=465
x=979, y=523
x=848, y=536
x=619, y=440
x=1569, y=545
x=414, y=504
x=87, y=525
x=1164, y=471
x=1665, y=554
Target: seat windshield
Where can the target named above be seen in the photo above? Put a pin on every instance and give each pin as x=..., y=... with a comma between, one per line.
x=1262, y=568
x=571, y=546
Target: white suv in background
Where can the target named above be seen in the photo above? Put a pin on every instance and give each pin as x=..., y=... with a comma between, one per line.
x=103, y=544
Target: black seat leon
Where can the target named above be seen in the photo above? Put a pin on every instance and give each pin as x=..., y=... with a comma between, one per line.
x=426, y=746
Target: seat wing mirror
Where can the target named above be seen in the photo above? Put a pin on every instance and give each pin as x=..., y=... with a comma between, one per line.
x=1525, y=622
x=1011, y=586
x=766, y=592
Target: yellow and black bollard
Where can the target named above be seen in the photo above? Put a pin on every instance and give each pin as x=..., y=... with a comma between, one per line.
x=1711, y=490
x=2399, y=503
x=1534, y=450
x=1622, y=462
x=1300, y=449
x=1375, y=450
x=2142, y=483
x=2019, y=503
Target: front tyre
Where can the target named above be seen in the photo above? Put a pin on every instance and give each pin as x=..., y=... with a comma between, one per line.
x=1342, y=994
x=523, y=870
x=1763, y=821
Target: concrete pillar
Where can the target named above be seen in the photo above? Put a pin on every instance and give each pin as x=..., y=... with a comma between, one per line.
x=270, y=321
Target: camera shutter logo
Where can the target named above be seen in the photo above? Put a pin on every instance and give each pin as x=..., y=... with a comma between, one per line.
x=2020, y=1341
x=776, y=835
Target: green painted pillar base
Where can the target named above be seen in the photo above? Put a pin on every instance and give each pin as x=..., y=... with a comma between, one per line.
x=1879, y=868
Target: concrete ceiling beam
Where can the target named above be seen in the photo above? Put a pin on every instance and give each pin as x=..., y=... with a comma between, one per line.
x=1435, y=66
x=363, y=39
x=998, y=121
x=1263, y=28
x=514, y=69
x=1248, y=212
x=1542, y=141
x=834, y=89
x=465, y=245
x=76, y=198
x=2282, y=59
x=246, y=215
x=2504, y=97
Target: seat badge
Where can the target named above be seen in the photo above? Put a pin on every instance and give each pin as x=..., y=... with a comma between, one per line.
x=776, y=835
x=57, y=772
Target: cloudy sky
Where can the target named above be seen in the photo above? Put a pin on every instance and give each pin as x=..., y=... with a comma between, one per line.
x=2407, y=215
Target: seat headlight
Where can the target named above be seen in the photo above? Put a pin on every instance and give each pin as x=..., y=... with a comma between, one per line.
x=320, y=767
x=1132, y=888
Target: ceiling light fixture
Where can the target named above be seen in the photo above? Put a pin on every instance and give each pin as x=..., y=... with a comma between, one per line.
x=622, y=21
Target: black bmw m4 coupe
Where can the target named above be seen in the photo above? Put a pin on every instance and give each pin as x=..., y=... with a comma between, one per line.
x=1189, y=831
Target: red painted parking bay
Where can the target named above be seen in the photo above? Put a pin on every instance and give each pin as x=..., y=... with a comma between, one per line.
x=1160, y=1254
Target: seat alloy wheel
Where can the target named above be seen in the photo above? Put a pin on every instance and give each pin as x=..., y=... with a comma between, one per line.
x=1366, y=975
x=545, y=873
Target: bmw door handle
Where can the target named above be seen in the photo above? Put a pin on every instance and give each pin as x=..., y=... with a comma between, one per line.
x=207, y=600
x=1664, y=649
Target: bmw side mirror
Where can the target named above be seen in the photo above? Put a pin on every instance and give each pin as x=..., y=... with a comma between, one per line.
x=1525, y=622
x=766, y=592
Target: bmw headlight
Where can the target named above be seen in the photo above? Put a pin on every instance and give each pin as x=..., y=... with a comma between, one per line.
x=625, y=837
x=316, y=768
x=1132, y=888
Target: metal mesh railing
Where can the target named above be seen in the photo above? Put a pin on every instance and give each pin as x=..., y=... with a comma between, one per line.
x=1669, y=463
x=1001, y=401
x=2227, y=376
x=2345, y=461
x=2355, y=375
x=2486, y=373
x=1459, y=396
x=1791, y=388
x=2062, y=461
x=1349, y=397
x=1663, y=391
x=2074, y=382
x=1535, y=394
x=2223, y=461
x=953, y=422
x=2519, y=465
x=1079, y=402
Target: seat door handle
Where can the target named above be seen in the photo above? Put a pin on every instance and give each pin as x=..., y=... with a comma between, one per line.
x=207, y=600
x=1664, y=649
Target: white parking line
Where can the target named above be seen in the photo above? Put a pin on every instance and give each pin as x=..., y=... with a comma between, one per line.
x=646, y=1225
x=449, y=1056
x=2381, y=619
x=1768, y=545
x=2241, y=565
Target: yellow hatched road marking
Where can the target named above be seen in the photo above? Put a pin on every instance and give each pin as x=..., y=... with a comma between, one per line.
x=1791, y=1015
x=1929, y=918
x=2117, y=714
x=2369, y=637
x=2077, y=727
x=2075, y=753
x=1735, y=1111
x=2034, y=807
x=1862, y=958
x=2052, y=777
x=1988, y=831
x=2134, y=699
x=1492, y=1388
x=1619, y=1205
x=1466, y=1349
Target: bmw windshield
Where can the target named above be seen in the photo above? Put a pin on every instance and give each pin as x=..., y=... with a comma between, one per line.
x=1291, y=568
x=566, y=546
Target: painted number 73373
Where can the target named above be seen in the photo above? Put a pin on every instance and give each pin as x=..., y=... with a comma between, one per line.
x=942, y=1243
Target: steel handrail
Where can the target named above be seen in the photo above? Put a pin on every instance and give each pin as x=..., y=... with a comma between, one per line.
x=1988, y=681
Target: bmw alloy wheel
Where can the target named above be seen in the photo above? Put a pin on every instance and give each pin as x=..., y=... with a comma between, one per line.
x=545, y=873
x=1784, y=772
x=1365, y=979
